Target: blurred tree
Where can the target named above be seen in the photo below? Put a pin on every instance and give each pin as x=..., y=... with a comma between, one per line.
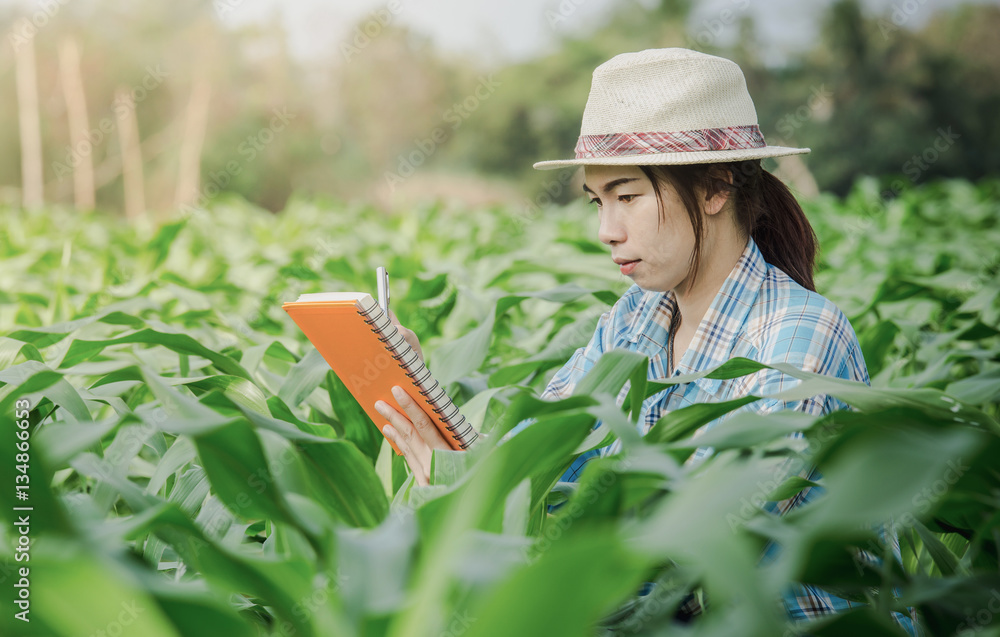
x=537, y=112
x=872, y=96
x=908, y=105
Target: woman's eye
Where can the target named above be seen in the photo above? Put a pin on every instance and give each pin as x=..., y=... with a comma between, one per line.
x=626, y=198
x=596, y=202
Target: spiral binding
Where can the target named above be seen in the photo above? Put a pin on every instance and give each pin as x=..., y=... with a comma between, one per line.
x=462, y=431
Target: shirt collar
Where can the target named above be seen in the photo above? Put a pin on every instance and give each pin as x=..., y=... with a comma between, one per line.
x=723, y=321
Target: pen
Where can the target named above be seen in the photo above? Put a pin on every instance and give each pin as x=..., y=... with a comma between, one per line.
x=382, y=278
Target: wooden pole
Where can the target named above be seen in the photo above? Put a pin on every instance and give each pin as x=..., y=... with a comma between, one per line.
x=196, y=122
x=131, y=152
x=32, y=189
x=150, y=147
x=76, y=109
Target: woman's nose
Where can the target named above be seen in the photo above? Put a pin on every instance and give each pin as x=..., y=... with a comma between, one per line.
x=611, y=229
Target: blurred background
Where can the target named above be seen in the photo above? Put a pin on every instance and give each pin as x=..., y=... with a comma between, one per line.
x=144, y=108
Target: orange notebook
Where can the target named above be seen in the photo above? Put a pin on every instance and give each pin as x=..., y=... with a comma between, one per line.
x=369, y=355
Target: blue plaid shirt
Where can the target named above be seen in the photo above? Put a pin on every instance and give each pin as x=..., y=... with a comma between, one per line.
x=759, y=313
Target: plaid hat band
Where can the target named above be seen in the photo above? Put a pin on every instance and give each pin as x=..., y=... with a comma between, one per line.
x=618, y=144
x=668, y=106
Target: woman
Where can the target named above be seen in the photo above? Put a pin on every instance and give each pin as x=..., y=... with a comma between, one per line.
x=720, y=253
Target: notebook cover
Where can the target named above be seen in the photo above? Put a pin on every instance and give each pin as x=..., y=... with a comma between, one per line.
x=354, y=352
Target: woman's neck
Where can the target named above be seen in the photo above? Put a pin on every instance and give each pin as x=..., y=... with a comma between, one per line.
x=720, y=251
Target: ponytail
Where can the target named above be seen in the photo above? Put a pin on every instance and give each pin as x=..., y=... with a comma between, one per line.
x=770, y=214
x=765, y=210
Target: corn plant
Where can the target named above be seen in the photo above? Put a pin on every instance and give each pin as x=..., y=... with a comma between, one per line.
x=191, y=466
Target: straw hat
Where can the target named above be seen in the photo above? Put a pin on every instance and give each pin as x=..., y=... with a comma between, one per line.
x=668, y=106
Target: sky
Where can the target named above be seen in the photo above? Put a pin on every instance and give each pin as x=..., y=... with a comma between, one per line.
x=498, y=32
x=515, y=30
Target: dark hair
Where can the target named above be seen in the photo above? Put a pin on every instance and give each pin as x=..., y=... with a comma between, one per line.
x=765, y=210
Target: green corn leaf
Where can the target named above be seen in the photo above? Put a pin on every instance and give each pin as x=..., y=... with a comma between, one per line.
x=83, y=594
x=81, y=350
x=596, y=566
x=358, y=427
x=237, y=469
x=303, y=378
x=672, y=426
x=61, y=392
x=344, y=480
x=943, y=558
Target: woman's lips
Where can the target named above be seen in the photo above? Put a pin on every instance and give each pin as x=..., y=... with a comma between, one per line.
x=626, y=268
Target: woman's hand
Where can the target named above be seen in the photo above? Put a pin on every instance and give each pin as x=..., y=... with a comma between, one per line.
x=408, y=335
x=413, y=433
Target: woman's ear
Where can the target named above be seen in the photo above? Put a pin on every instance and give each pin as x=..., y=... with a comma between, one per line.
x=720, y=194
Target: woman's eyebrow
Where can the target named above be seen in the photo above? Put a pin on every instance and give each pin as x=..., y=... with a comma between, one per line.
x=611, y=185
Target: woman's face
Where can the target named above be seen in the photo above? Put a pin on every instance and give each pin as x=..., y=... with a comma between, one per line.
x=626, y=205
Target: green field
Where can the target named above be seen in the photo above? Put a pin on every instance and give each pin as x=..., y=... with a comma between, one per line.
x=195, y=468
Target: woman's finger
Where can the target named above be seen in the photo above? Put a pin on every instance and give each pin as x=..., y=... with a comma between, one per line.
x=423, y=425
x=420, y=474
x=411, y=444
x=404, y=428
x=408, y=335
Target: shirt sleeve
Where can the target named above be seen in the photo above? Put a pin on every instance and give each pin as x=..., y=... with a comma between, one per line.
x=818, y=338
x=583, y=359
